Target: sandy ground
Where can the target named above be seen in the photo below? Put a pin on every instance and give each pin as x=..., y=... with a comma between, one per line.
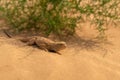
x=83, y=59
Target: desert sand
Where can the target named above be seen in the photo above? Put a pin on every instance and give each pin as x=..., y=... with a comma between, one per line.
x=83, y=59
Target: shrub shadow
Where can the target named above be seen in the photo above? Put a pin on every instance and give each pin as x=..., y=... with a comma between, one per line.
x=93, y=44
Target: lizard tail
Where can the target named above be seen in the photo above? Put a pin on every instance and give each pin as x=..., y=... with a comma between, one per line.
x=6, y=33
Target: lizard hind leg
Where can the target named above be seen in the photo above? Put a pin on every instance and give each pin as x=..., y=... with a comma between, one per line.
x=31, y=41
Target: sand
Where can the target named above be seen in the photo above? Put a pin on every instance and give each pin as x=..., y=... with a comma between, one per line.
x=83, y=59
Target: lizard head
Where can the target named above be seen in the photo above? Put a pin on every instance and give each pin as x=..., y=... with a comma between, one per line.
x=60, y=46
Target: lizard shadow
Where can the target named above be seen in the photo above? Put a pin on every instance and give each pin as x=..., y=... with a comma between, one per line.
x=50, y=51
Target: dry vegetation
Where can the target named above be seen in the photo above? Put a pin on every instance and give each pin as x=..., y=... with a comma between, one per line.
x=59, y=17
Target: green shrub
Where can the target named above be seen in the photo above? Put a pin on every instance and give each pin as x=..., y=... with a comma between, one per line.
x=58, y=16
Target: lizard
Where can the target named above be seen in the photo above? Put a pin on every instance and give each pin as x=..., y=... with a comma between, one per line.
x=42, y=43
x=47, y=44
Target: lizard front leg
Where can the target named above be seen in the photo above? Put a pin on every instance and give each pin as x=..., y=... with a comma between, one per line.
x=42, y=46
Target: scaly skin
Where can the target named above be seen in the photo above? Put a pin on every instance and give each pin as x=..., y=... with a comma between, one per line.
x=45, y=44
